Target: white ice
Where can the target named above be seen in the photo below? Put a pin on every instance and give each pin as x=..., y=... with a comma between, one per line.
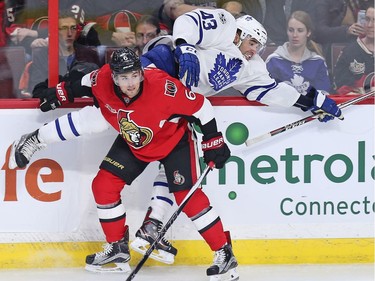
x=360, y=272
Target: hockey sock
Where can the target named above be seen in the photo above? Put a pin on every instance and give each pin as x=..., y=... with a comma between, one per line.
x=161, y=200
x=204, y=217
x=106, y=189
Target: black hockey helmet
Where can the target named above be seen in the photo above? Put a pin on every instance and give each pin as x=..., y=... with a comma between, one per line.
x=124, y=60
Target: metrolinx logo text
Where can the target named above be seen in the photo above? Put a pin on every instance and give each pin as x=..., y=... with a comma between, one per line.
x=264, y=168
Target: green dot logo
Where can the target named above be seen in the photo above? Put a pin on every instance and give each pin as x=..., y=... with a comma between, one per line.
x=237, y=133
x=232, y=195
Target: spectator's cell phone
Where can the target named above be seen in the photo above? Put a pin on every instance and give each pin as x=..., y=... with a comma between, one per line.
x=361, y=18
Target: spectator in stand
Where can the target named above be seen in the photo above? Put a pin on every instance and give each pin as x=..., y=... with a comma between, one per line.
x=117, y=28
x=354, y=69
x=6, y=78
x=27, y=20
x=147, y=28
x=233, y=7
x=297, y=62
x=276, y=15
x=38, y=67
x=115, y=20
x=2, y=32
x=336, y=22
x=171, y=9
x=255, y=8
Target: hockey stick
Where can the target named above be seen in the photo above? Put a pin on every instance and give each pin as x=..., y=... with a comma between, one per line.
x=170, y=221
x=305, y=120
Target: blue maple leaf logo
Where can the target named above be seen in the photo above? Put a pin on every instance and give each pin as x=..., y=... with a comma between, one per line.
x=224, y=73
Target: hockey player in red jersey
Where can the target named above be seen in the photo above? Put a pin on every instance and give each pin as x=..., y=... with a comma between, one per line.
x=151, y=111
x=220, y=60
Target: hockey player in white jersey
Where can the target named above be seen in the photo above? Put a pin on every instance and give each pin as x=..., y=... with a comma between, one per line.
x=214, y=52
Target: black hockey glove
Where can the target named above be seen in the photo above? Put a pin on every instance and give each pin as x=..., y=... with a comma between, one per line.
x=52, y=98
x=323, y=105
x=186, y=56
x=215, y=149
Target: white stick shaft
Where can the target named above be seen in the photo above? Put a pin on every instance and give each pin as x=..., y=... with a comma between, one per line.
x=305, y=120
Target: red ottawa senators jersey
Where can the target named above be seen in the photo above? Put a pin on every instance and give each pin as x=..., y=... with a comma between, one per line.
x=150, y=124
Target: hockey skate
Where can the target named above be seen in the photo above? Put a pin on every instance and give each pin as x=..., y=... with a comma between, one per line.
x=224, y=267
x=114, y=258
x=23, y=149
x=146, y=235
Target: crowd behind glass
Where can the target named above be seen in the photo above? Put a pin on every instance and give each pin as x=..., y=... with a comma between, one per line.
x=305, y=38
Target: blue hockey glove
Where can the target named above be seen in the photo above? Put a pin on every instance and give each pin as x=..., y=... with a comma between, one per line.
x=325, y=106
x=187, y=59
x=215, y=150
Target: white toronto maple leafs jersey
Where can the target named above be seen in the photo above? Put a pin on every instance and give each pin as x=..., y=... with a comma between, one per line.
x=222, y=65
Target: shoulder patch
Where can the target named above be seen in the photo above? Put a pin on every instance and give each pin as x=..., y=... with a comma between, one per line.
x=94, y=77
x=170, y=88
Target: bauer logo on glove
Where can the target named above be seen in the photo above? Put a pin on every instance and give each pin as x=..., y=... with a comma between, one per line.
x=60, y=93
x=215, y=150
x=214, y=143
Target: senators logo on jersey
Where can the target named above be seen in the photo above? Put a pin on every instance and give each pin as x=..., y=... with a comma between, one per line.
x=134, y=135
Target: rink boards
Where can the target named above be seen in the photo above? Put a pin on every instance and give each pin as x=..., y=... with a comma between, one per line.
x=305, y=196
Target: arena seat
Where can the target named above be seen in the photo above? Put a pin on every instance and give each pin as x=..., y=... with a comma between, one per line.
x=269, y=49
x=13, y=58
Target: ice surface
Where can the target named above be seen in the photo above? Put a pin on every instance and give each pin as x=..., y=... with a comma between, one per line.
x=360, y=272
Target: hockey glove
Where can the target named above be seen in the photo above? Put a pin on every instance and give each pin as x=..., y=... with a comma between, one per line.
x=325, y=106
x=215, y=150
x=186, y=56
x=53, y=98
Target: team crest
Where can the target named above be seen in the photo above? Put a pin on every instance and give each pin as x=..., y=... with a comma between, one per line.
x=299, y=83
x=297, y=68
x=357, y=67
x=224, y=72
x=178, y=178
x=135, y=136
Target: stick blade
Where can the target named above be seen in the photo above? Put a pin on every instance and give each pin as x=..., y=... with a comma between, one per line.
x=255, y=140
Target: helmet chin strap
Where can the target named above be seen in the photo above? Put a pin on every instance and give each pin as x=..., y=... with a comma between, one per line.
x=238, y=43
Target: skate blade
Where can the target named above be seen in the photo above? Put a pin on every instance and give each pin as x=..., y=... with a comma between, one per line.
x=109, y=268
x=12, y=158
x=141, y=246
x=231, y=275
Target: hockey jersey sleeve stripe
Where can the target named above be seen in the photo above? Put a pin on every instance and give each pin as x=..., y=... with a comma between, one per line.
x=199, y=24
x=263, y=93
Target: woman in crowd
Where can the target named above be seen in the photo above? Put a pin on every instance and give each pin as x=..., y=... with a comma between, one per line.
x=297, y=61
